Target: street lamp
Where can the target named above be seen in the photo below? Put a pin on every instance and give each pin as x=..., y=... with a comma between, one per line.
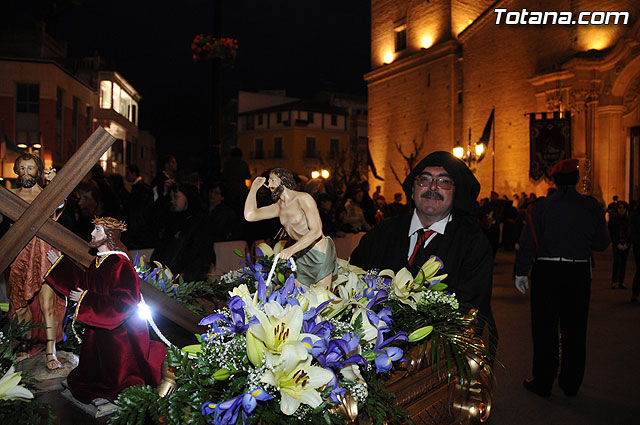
x=320, y=173
x=471, y=153
x=30, y=147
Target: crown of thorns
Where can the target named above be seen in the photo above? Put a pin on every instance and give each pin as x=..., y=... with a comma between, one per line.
x=109, y=222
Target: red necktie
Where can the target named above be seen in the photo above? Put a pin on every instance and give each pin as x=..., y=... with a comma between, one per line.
x=423, y=235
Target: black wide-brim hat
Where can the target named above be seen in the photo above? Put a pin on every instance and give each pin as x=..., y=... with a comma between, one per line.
x=467, y=186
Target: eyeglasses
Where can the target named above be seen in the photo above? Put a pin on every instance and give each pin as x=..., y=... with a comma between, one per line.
x=425, y=180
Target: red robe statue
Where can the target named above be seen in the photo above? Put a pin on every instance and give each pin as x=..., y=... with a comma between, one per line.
x=116, y=352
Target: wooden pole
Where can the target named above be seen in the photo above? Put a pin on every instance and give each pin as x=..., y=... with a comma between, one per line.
x=33, y=220
x=53, y=195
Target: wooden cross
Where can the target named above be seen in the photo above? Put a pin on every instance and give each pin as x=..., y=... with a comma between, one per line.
x=34, y=220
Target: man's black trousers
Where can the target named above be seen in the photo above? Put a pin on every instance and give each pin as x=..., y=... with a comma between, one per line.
x=560, y=293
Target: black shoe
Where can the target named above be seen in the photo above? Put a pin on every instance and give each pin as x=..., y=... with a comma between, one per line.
x=531, y=385
x=569, y=393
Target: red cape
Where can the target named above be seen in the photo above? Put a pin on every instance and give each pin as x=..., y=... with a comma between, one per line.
x=116, y=352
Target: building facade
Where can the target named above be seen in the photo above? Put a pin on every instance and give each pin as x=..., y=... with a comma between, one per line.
x=440, y=67
x=300, y=135
x=50, y=104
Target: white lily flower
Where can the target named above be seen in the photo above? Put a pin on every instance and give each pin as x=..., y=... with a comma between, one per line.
x=9, y=388
x=403, y=287
x=167, y=271
x=279, y=329
x=271, y=252
x=370, y=332
x=316, y=295
x=298, y=385
x=345, y=266
x=352, y=373
x=352, y=287
x=242, y=291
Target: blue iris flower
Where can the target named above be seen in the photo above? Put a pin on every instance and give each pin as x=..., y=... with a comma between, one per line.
x=370, y=290
x=378, y=297
x=335, y=354
x=387, y=355
x=226, y=413
x=235, y=325
x=287, y=294
x=322, y=329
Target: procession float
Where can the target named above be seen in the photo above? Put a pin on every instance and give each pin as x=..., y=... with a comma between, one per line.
x=378, y=347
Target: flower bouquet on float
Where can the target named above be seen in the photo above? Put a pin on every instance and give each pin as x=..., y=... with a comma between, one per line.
x=280, y=353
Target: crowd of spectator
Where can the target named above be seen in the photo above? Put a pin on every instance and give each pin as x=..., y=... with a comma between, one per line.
x=181, y=219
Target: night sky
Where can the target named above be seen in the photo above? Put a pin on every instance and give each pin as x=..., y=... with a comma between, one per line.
x=301, y=46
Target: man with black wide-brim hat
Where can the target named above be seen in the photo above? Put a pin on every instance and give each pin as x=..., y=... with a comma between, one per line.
x=440, y=222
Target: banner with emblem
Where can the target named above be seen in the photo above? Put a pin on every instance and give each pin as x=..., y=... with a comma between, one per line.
x=550, y=142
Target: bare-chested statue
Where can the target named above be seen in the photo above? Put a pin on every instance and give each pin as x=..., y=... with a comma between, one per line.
x=315, y=253
x=29, y=298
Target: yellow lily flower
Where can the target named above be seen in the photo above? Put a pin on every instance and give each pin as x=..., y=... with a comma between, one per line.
x=428, y=271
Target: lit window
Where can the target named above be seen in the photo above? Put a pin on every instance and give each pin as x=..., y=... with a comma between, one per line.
x=116, y=97
x=105, y=94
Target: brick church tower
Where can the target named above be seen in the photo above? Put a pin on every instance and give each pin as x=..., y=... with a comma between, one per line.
x=439, y=67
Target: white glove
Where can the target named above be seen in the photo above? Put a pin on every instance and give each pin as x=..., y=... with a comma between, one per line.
x=522, y=283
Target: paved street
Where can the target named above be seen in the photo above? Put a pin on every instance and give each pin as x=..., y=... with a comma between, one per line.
x=610, y=393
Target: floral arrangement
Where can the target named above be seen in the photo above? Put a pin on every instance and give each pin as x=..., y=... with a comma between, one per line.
x=161, y=277
x=280, y=353
x=206, y=47
x=15, y=399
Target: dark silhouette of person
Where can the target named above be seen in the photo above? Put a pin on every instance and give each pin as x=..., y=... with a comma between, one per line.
x=138, y=212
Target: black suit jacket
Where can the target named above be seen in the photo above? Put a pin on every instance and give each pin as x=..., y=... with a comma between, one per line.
x=463, y=248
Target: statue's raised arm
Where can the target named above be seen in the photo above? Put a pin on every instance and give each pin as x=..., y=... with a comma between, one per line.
x=315, y=254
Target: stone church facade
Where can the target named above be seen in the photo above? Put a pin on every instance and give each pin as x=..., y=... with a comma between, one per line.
x=438, y=69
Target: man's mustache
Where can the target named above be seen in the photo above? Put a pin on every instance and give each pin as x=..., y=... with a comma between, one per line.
x=432, y=195
x=27, y=181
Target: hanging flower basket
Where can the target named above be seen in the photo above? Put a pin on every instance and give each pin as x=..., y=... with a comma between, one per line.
x=221, y=49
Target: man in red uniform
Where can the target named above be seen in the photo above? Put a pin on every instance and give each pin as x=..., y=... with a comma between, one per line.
x=116, y=352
